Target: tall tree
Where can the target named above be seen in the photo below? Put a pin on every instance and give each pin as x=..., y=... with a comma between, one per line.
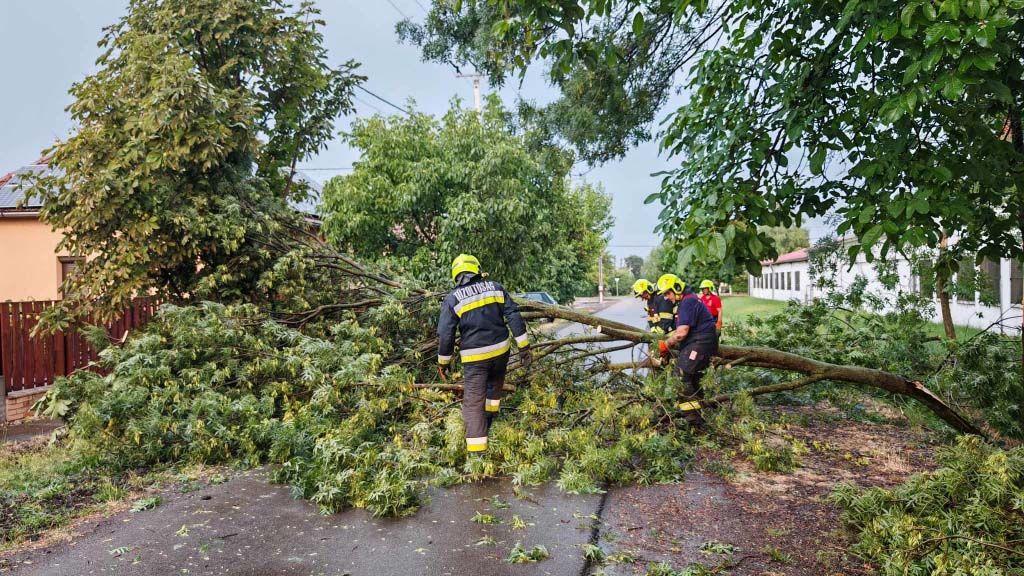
x=186, y=141
x=427, y=189
x=876, y=110
x=635, y=264
x=787, y=239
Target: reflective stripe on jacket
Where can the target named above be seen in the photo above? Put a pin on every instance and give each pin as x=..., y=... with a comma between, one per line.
x=664, y=314
x=482, y=312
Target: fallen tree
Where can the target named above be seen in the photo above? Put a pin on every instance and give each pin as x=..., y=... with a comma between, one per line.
x=813, y=370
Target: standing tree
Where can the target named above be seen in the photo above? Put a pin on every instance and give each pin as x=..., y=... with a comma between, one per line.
x=635, y=264
x=426, y=190
x=186, y=142
x=904, y=118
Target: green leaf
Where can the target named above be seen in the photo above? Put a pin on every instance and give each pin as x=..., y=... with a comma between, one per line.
x=717, y=246
x=818, y=160
x=907, y=14
x=652, y=197
x=638, y=24
x=912, y=71
x=869, y=238
x=953, y=88
x=950, y=7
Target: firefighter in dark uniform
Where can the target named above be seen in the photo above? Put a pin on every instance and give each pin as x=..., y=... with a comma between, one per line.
x=645, y=291
x=482, y=312
x=664, y=309
x=697, y=340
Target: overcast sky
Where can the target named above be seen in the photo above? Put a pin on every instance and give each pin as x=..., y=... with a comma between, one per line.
x=46, y=45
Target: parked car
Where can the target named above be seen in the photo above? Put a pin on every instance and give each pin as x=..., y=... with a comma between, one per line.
x=543, y=298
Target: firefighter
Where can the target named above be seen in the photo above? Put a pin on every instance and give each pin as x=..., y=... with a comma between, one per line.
x=482, y=312
x=663, y=309
x=645, y=291
x=697, y=340
x=712, y=301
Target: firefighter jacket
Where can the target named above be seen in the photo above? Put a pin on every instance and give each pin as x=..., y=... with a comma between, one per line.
x=663, y=314
x=482, y=312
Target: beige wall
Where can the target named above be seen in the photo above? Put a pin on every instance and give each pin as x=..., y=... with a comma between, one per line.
x=29, y=268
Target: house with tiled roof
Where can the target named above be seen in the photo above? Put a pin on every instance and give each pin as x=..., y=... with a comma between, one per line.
x=31, y=268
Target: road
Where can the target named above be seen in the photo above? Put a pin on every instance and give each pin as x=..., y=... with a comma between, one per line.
x=250, y=527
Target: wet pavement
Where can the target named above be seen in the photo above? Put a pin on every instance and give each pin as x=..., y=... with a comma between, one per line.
x=249, y=527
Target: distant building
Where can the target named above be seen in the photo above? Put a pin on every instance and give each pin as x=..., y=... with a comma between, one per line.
x=788, y=278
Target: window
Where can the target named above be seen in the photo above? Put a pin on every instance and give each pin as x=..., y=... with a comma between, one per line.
x=796, y=280
x=67, y=266
x=991, y=279
x=965, y=280
x=1016, y=281
x=789, y=280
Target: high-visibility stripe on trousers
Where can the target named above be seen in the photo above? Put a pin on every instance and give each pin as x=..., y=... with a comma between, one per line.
x=481, y=398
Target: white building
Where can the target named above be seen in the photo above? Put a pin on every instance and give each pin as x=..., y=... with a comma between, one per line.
x=788, y=278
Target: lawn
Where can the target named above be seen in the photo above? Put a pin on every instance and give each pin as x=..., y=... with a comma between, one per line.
x=741, y=307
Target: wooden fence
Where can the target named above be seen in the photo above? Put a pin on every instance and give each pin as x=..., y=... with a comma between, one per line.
x=28, y=362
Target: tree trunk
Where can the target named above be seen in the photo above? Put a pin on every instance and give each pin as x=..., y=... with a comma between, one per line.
x=779, y=360
x=940, y=287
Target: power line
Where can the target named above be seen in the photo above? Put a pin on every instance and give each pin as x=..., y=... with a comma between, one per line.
x=384, y=100
x=356, y=96
x=399, y=10
x=421, y=6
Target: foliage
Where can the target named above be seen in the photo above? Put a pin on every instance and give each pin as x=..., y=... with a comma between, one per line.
x=186, y=137
x=890, y=331
x=338, y=418
x=903, y=118
x=520, y=555
x=426, y=190
x=787, y=239
x=963, y=518
x=635, y=264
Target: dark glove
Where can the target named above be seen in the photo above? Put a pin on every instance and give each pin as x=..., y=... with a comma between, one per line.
x=442, y=371
x=526, y=357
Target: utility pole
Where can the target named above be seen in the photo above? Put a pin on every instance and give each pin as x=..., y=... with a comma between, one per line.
x=600, y=278
x=476, y=88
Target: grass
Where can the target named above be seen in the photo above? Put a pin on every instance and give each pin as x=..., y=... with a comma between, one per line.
x=43, y=488
x=739, y=307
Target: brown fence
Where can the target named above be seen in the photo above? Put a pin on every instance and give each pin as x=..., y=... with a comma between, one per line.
x=28, y=362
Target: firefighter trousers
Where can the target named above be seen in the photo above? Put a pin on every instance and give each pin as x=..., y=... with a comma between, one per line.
x=481, y=398
x=693, y=360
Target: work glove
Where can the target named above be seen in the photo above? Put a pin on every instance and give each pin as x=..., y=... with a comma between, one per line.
x=442, y=371
x=663, y=350
x=526, y=357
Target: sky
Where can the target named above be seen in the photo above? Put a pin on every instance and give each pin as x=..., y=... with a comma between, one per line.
x=47, y=45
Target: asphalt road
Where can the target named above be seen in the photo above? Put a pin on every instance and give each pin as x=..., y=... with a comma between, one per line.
x=250, y=527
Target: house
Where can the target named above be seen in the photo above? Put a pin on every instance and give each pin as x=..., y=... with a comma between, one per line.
x=31, y=268
x=788, y=278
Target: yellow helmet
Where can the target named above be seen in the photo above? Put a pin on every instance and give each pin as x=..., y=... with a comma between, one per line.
x=707, y=284
x=641, y=286
x=465, y=263
x=671, y=282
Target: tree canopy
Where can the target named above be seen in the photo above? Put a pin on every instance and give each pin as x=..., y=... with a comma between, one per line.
x=187, y=136
x=903, y=118
x=427, y=189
